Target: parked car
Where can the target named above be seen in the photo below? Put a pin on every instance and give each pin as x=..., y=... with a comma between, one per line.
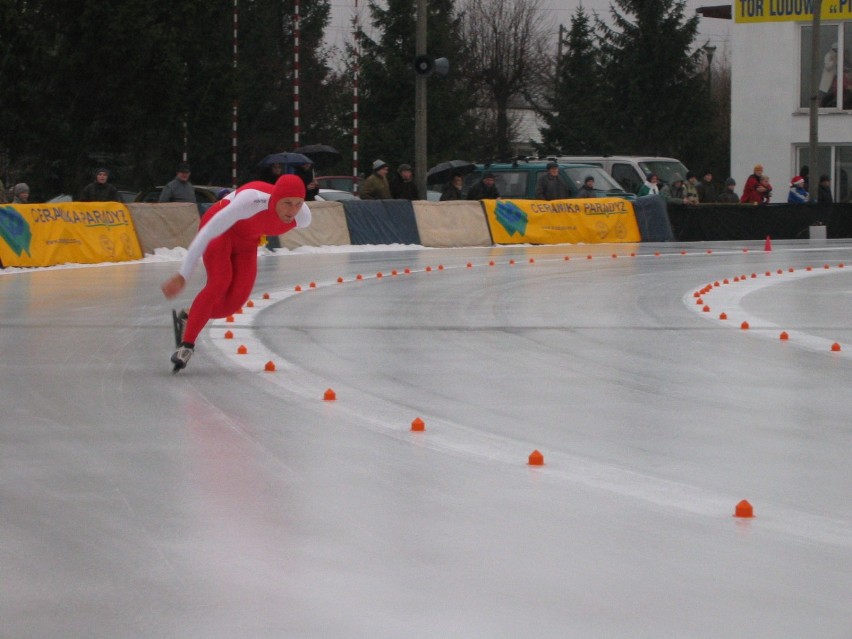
x=348, y=183
x=518, y=179
x=335, y=195
x=205, y=195
x=630, y=171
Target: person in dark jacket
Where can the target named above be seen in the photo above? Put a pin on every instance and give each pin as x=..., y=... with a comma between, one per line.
x=485, y=189
x=728, y=194
x=403, y=186
x=824, y=190
x=588, y=188
x=100, y=190
x=305, y=172
x=453, y=189
x=550, y=185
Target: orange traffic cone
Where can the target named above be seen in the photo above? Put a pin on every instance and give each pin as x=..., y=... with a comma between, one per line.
x=768, y=245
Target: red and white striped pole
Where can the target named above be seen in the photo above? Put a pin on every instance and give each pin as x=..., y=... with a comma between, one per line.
x=296, y=27
x=236, y=103
x=356, y=70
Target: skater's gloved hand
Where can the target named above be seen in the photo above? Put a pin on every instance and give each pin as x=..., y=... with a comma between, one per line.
x=173, y=286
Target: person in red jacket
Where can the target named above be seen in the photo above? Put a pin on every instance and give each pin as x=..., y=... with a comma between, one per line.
x=754, y=192
x=227, y=240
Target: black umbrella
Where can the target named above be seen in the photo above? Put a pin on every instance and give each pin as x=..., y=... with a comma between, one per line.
x=284, y=158
x=445, y=170
x=320, y=153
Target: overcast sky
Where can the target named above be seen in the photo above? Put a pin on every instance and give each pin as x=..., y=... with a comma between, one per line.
x=714, y=30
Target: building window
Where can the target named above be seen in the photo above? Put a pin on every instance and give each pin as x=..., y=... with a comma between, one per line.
x=835, y=161
x=834, y=80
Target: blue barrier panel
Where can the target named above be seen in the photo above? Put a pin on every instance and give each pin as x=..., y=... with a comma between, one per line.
x=652, y=218
x=381, y=222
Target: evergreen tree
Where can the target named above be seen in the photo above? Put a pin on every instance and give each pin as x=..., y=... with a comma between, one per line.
x=387, y=103
x=655, y=101
x=576, y=126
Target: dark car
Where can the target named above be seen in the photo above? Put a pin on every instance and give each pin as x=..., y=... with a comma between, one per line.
x=205, y=195
x=518, y=179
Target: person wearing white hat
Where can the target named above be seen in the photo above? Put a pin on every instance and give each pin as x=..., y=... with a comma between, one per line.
x=376, y=186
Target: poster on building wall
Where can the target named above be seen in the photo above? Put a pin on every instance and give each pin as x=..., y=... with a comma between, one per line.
x=789, y=10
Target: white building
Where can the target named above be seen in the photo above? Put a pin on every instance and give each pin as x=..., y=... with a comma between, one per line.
x=770, y=92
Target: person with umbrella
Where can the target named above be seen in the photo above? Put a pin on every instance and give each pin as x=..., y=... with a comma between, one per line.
x=376, y=186
x=306, y=174
x=227, y=241
x=453, y=188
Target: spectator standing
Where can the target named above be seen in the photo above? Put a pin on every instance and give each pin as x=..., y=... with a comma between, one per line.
x=485, y=189
x=271, y=173
x=403, y=186
x=707, y=191
x=651, y=186
x=797, y=194
x=690, y=187
x=728, y=194
x=376, y=186
x=766, y=193
x=21, y=194
x=753, y=191
x=100, y=190
x=805, y=172
x=675, y=191
x=180, y=189
x=550, y=185
x=305, y=172
x=588, y=188
x=453, y=189
x=824, y=190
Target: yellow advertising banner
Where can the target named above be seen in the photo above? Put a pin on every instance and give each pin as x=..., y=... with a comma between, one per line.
x=592, y=221
x=66, y=232
x=790, y=10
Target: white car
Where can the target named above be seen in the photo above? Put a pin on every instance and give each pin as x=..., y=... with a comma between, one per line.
x=334, y=195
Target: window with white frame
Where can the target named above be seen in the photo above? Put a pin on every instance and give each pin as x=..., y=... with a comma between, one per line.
x=834, y=79
x=835, y=161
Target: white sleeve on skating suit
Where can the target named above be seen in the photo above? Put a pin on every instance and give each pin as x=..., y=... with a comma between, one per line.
x=243, y=204
x=303, y=217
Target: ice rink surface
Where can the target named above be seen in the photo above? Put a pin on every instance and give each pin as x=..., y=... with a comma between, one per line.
x=229, y=501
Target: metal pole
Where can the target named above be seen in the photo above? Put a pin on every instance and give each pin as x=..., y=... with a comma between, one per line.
x=356, y=72
x=236, y=104
x=813, y=137
x=420, y=125
x=296, y=34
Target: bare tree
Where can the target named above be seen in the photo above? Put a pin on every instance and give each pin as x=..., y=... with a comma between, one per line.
x=506, y=57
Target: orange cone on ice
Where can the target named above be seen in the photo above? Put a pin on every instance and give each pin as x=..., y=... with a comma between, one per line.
x=744, y=510
x=768, y=244
x=536, y=459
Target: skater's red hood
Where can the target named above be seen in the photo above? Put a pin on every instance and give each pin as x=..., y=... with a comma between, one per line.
x=286, y=186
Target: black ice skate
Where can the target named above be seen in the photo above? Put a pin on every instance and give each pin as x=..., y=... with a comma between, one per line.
x=180, y=358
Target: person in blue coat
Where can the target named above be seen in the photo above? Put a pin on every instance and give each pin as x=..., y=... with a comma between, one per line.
x=797, y=194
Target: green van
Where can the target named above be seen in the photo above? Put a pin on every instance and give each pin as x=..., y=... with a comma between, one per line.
x=517, y=180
